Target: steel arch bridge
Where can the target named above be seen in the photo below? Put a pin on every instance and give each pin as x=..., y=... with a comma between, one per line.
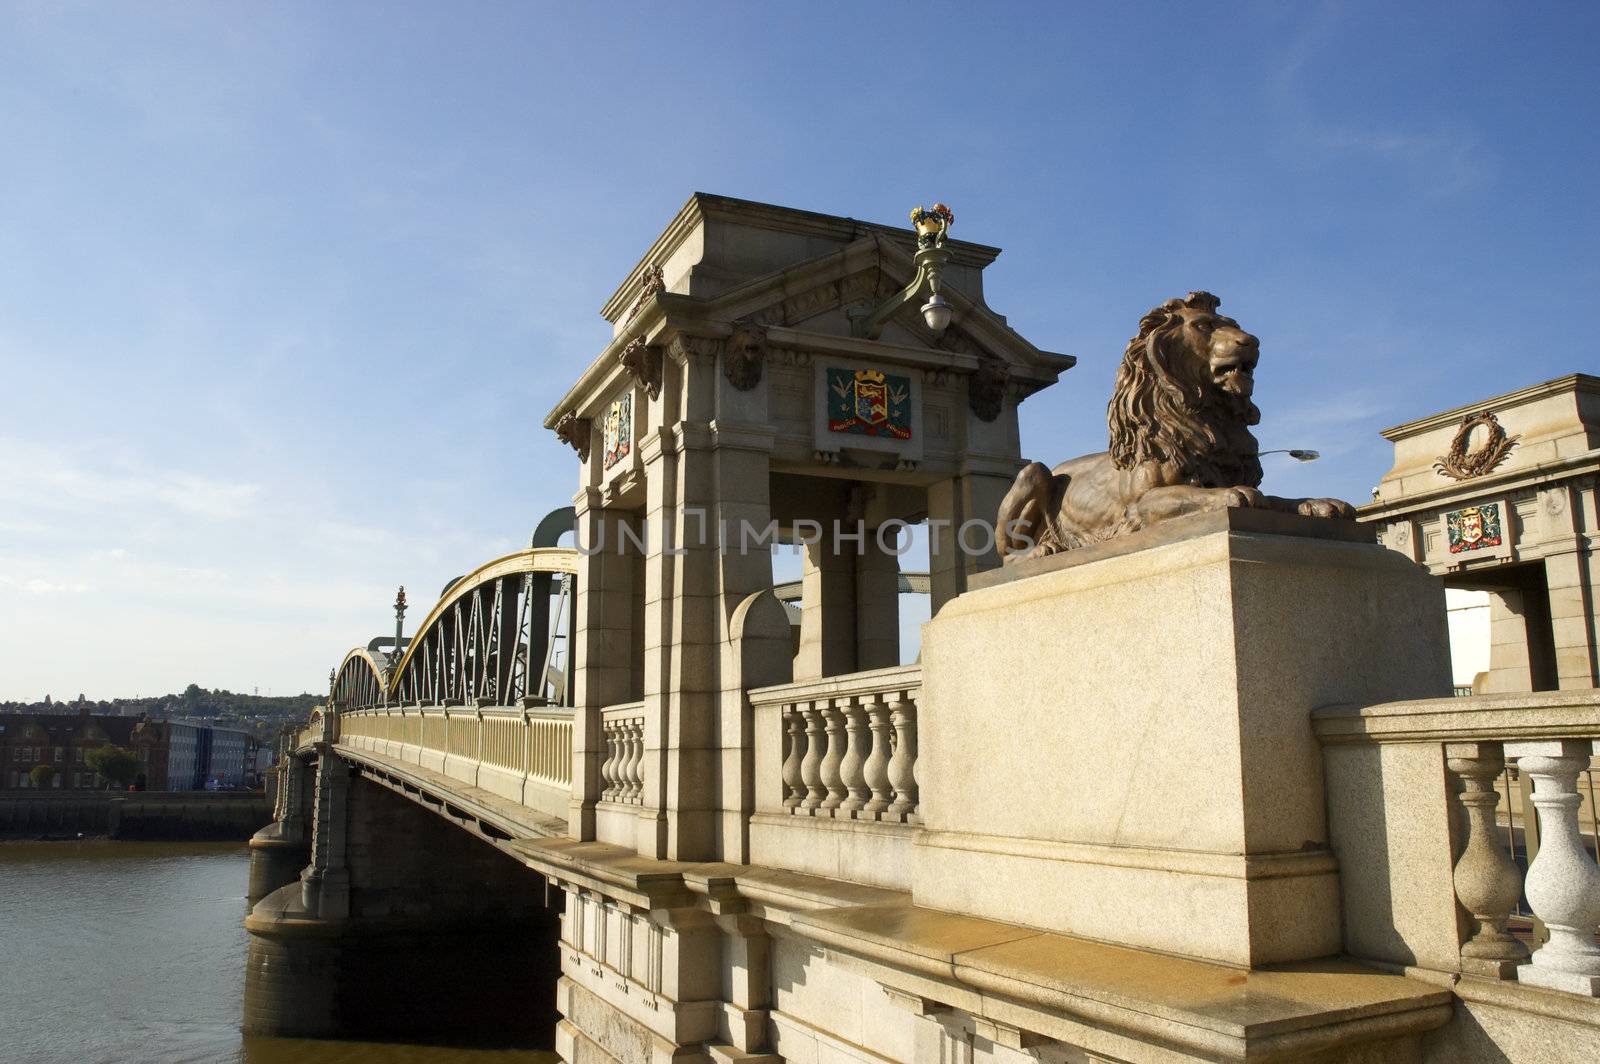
x=500, y=635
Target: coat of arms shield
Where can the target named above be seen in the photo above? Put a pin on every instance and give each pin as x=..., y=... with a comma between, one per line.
x=869, y=402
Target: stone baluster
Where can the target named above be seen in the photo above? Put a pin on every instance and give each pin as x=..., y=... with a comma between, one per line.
x=875, y=772
x=624, y=760
x=1563, y=884
x=834, y=758
x=608, y=770
x=794, y=789
x=1487, y=882
x=635, y=732
x=901, y=774
x=811, y=767
x=852, y=770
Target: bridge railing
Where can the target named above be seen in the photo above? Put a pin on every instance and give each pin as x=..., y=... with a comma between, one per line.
x=521, y=754
x=1434, y=868
x=622, y=773
x=835, y=771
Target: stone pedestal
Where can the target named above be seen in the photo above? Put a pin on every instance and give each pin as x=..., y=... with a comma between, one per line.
x=1116, y=742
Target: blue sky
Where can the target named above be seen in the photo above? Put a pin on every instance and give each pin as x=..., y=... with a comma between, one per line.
x=286, y=289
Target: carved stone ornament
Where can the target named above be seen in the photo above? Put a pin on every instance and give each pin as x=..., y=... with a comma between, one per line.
x=685, y=348
x=573, y=431
x=1179, y=422
x=1461, y=464
x=986, y=389
x=643, y=361
x=744, y=354
x=653, y=282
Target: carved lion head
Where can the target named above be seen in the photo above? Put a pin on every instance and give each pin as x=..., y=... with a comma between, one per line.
x=1182, y=398
x=746, y=349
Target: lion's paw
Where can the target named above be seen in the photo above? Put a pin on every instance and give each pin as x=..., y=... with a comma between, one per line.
x=1327, y=508
x=1241, y=497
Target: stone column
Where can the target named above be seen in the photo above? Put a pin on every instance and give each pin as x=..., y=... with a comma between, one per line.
x=1510, y=666
x=1570, y=570
x=603, y=650
x=972, y=496
x=690, y=727
x=877, y=580
x=827, y=611
x=660, y=462
x=757, y=650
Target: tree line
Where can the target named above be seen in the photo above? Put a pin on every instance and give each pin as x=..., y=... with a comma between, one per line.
x=194, y=701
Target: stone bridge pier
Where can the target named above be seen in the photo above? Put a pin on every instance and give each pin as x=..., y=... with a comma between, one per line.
x=279, y=851
x=399, y=926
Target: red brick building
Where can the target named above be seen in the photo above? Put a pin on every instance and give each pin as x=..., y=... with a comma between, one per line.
x=61, y=741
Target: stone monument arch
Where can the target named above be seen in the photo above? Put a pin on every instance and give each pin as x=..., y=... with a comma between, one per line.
x=1499, y=496
x=736, y=403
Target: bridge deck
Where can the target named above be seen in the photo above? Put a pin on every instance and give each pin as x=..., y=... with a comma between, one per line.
x=507, y=818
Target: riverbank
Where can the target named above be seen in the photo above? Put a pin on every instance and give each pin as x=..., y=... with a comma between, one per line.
x=165, y=816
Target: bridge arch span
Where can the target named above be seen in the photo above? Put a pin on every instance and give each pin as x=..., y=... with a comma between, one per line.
x=361, y=680
x=496, y=634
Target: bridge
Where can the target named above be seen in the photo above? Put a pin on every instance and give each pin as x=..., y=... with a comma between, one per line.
x=1198, y=793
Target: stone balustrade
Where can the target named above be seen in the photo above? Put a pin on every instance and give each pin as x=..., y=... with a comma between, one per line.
x=835, y=770
x=523, y=754
x=849, y=744
x=622, y=772
x=1398, y=768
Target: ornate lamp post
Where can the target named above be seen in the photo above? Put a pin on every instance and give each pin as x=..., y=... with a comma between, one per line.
x=933, y=225
x=399, y=619
x=1297, y=453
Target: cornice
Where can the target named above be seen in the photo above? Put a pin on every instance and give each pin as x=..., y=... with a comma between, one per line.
x=705, y=206
x=1572, y=382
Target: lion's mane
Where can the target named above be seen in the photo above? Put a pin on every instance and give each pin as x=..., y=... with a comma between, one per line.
x=1167, y=409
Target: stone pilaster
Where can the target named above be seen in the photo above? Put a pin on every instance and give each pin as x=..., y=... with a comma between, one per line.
x=603, y=645
x=747, y=658
x=325, y=884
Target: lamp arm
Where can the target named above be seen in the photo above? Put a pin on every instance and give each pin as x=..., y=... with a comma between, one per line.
x=870, y=325
x=930, y=265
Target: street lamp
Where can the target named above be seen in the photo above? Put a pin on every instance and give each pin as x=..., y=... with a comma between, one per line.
x=399, y=619
x=1297, y=453
x=933, y=225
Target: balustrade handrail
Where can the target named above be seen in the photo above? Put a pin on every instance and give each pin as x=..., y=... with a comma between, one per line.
x=872, y=681
x=1551, y=738
x=623, y=709
x=1474, y=718
x=507, y=712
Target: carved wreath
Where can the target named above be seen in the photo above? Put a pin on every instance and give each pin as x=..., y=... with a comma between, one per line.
x=1462, y=464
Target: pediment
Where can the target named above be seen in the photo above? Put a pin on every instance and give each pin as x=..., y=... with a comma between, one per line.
x=817, y=296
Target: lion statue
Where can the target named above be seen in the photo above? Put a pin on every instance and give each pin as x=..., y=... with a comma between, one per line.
x=1180, y=422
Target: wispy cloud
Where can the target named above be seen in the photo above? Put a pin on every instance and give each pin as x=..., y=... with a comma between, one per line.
x=44, y=477
x=1439, y=156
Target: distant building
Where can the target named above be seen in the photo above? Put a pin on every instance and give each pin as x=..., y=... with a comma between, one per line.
x=60, y=740
x=191, y=755
x=1498, y=498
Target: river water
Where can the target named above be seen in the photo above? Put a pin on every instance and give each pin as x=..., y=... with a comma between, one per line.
x=134, y=953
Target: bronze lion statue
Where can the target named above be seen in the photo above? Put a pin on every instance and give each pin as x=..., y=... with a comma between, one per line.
x=1180, y=422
